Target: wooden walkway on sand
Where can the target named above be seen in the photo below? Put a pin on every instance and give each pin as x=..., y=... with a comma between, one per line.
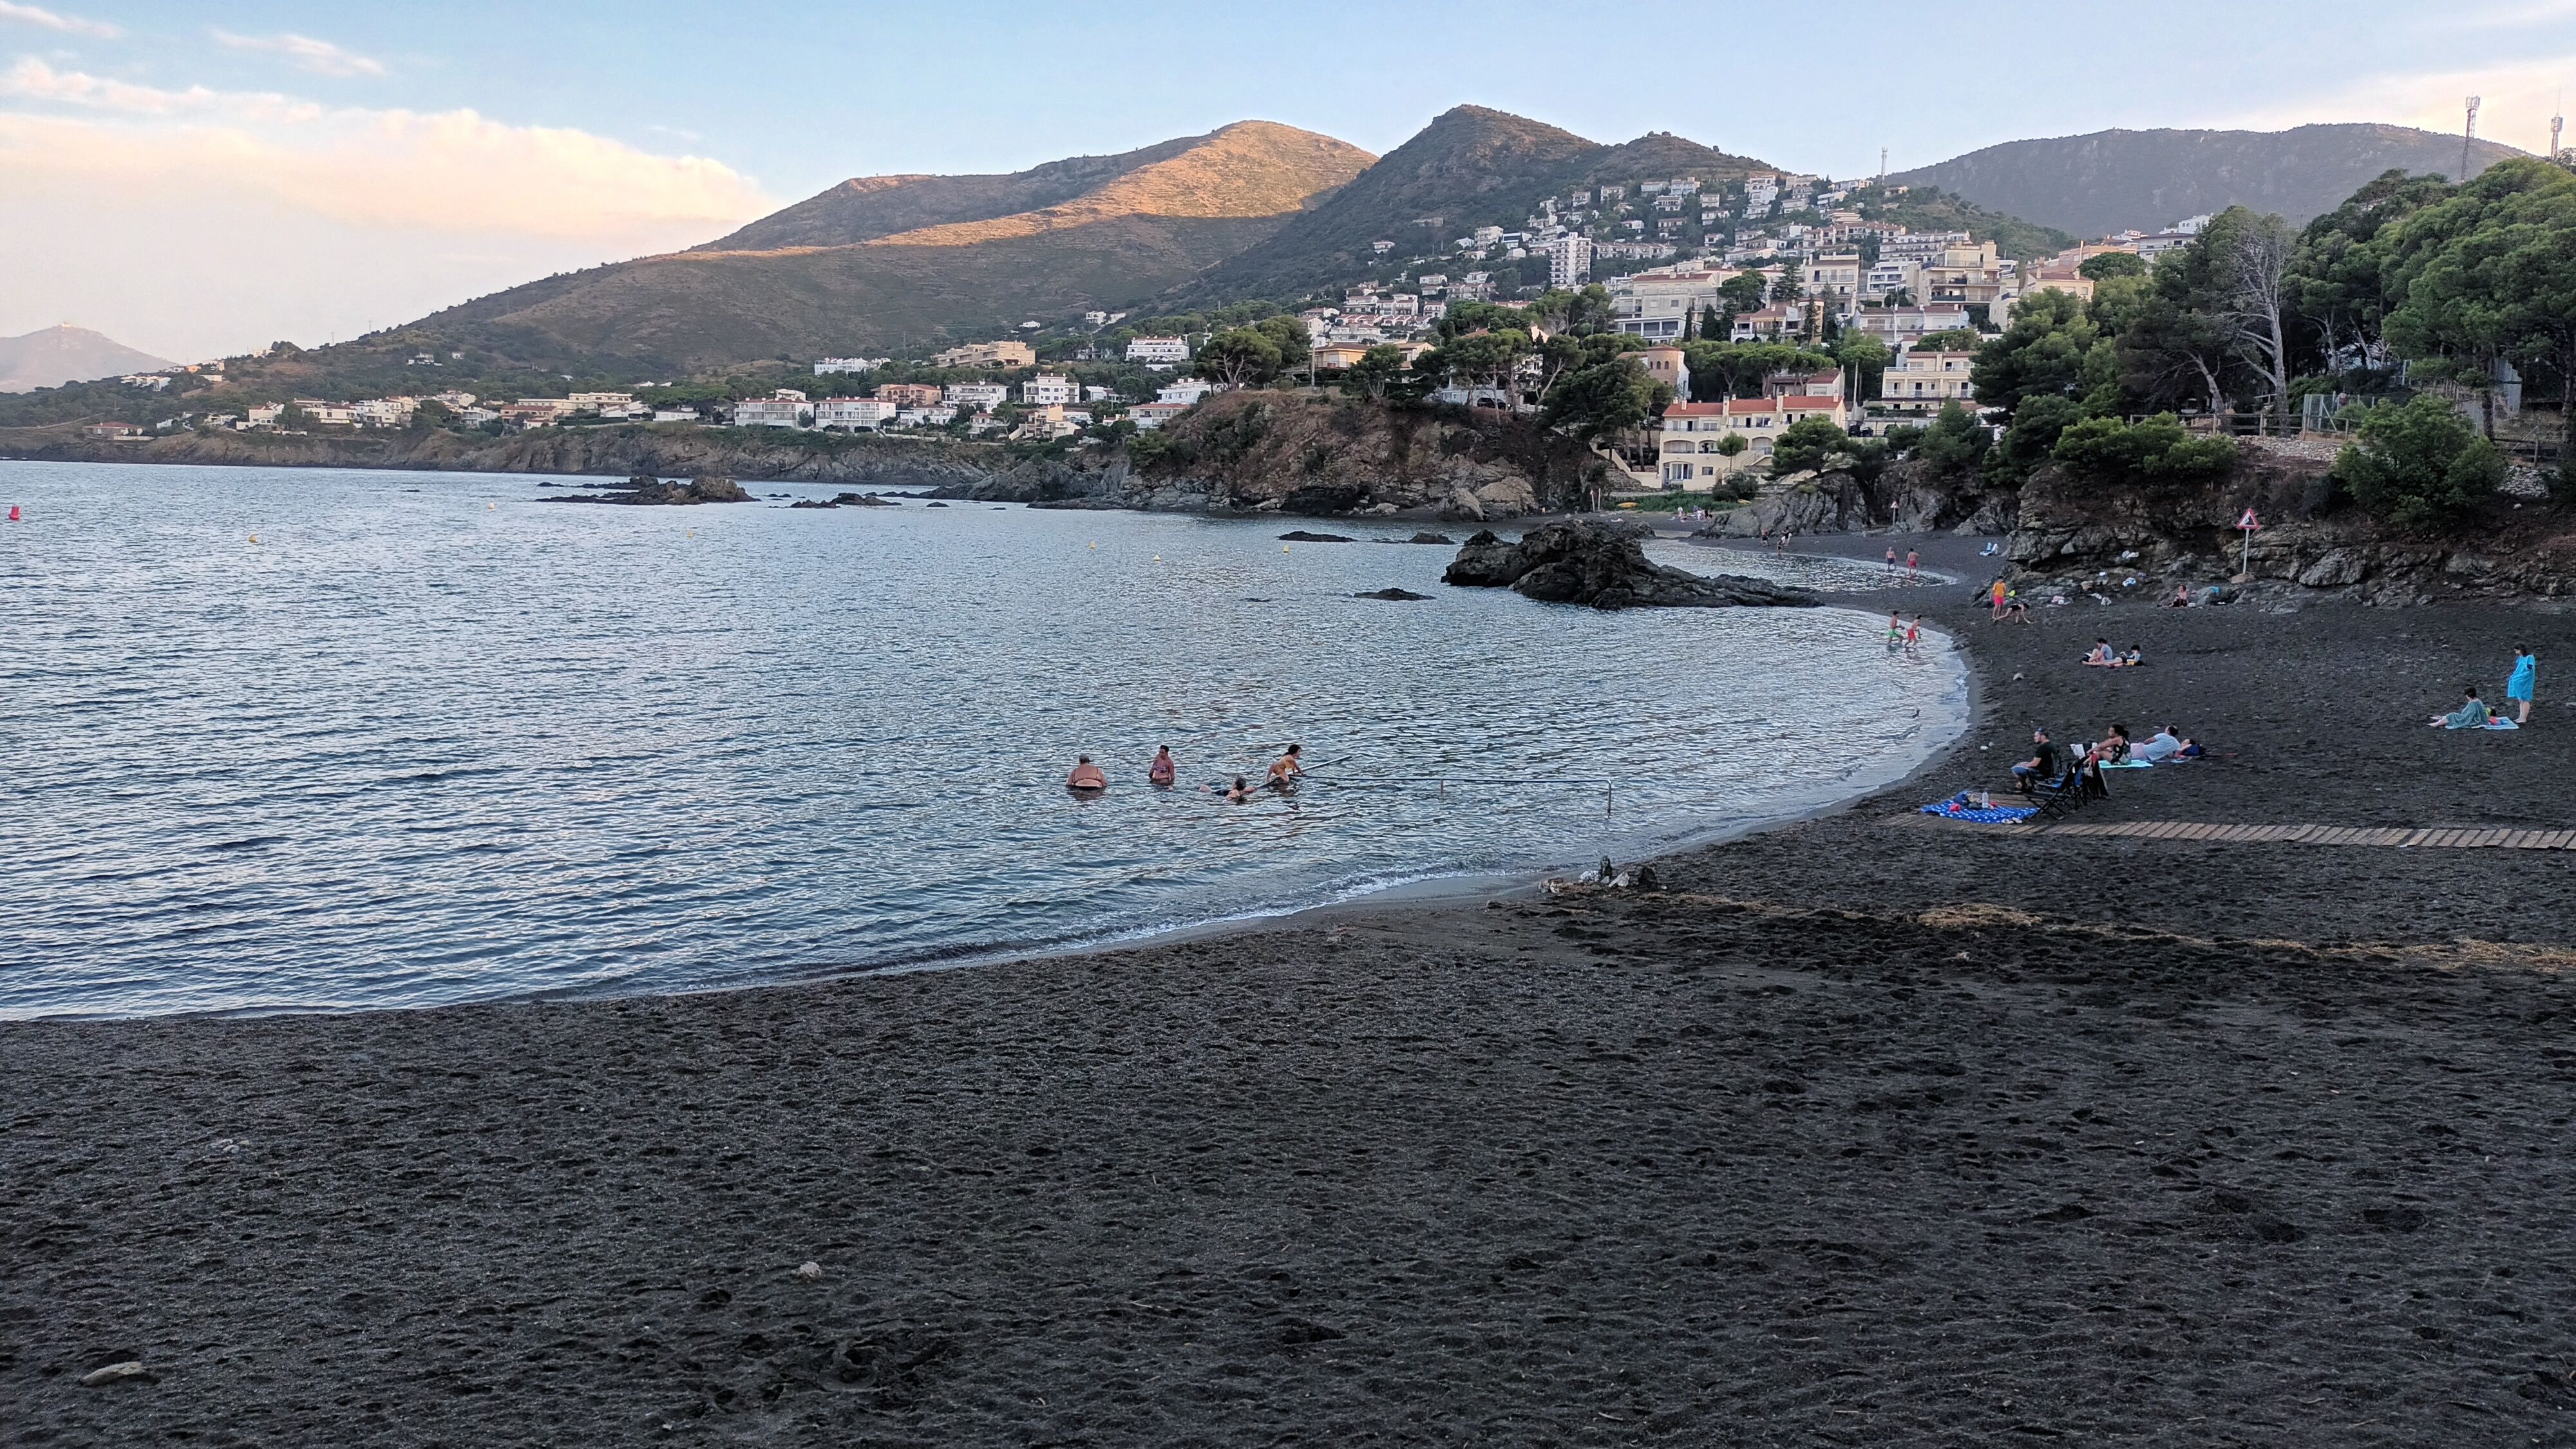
x=2434, y=837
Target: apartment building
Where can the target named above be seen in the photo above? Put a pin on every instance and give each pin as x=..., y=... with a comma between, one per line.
x=1922, y=381
x=1158, y=349
x=1665, y=364
x=854, y=413
x=1152, y=415
x=1658, y=303
x=1836, y=277
x=909, y=394
x=827, y=366
x=770, y=412
x=1049, y=389
x=1569, y=261
x=1005, y=353
x=983, y=397
x=1900, y=327
x=1969, y=276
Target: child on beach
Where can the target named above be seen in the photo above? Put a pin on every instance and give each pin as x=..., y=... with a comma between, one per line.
x=2518, y=688
x=1913, y=564
x=1895, y=632
x=1914, y=636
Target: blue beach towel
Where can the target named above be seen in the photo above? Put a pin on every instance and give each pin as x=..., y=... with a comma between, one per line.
x=2502, y=724
x=1958, y=808
x=2132, y=765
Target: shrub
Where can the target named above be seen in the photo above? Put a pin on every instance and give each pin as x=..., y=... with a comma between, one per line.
x=1806, y=445
x=2152, y=450
x=2420, y=463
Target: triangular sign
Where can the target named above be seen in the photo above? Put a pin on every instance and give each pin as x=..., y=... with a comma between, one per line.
x=2249, y=521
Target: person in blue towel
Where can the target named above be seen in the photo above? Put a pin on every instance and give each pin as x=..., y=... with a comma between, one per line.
x=2517, y=689
x=2472, y=714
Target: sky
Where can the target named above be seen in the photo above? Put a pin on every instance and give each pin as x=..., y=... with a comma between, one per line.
x=198, y=179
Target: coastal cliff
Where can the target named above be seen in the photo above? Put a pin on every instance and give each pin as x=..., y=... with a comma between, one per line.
x=620, y=452
x=1276, y=452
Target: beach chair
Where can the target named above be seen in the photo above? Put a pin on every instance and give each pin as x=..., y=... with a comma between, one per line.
x=2063, y=796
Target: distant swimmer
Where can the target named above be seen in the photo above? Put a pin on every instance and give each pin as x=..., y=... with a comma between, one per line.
x=1162, y=771
x=1086, y=776
x=1241, y=792
x=1287, y=770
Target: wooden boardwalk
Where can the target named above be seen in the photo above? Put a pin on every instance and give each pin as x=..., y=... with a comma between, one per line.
x=2432, y=837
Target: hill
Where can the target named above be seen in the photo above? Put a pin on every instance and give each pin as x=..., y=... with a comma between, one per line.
x=53, y=356
x=2113, y=181
x=887, y=262
x=1470, y=167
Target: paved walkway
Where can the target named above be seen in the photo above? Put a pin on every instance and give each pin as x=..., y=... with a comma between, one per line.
x=2435, y=837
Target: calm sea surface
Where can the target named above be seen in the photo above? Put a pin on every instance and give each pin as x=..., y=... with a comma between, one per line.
x=428, y=739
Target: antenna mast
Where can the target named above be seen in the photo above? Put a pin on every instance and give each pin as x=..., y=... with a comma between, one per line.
x=2468, y=134
x=2557, y=124
x=1882, y=164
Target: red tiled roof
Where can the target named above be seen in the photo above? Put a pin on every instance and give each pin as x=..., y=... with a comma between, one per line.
x=1695, y=410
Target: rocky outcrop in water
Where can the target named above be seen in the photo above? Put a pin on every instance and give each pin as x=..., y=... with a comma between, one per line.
x=1599, y=564
x=646, y=489
x=848, y=500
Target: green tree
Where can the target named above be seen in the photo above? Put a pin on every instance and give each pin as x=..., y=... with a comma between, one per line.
x=1239, y=357
x=1603, y=398
x=2176, y=350
x=431, y=413
x=2052, y=348
x=1807, y=445
x=1744, y=292
x=2420, y=462
x=1379, y=371
x=2106, y=265
x=1955, y=444
x=2032, y=437
x=1867, y=357
x=2487, y=275
x=2340, y=274
x=1290, y=335
x=1949, y=339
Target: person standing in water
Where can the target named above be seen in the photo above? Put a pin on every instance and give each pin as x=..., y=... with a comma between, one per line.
x=1086, y=776
x=1162, y=771
x=1914, y=636
x=1891, y=560
x=2526, y=676
x=1913, y=564
x=1287, y=770
x=1895, y=632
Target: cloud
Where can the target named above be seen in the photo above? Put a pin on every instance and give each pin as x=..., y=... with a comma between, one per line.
x=318, y=56
x=67, y=24
x=448, y=171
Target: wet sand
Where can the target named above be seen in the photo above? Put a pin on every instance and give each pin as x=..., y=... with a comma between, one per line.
x=1866, y=1132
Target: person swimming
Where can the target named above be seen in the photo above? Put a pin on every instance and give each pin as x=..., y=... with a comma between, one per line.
x=1241, y=792
x=1287, y=770
x=1086, y=776
x=1163, y=771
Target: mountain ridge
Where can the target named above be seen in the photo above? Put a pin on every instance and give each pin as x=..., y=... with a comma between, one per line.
x=52, y=356
x=2103, y=182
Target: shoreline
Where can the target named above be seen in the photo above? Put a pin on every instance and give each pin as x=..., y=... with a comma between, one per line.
x=1862, y=1130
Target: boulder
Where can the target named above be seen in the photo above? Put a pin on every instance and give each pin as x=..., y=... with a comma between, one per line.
x=1299, y=535
x=2333, y=569
x=1589, y=561
x=1431, y=538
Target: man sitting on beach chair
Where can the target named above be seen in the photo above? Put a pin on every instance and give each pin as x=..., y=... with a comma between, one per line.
x=2041, y=766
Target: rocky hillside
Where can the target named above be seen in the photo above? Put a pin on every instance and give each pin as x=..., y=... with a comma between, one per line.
x=1277, y=452
x=897, y=262
x=614, y=452
x=2112, y=181
x=1470, y=167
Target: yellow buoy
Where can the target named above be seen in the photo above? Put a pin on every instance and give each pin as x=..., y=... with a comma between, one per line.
x=254, y=538
x=1283, y=548
x=488, y=507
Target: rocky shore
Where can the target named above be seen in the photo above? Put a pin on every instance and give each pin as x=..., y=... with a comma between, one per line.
x=1868, y=1130
x=1601, y=564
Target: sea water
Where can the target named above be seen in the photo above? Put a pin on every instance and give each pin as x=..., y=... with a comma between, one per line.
x=305, y=739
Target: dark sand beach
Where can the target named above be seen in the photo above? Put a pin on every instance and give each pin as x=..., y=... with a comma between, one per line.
x=1865, y=1132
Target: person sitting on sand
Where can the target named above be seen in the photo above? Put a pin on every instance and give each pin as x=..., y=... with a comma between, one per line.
x=1286, y=771
x=2042, y=764
x=2102, y=655
x=2518, y=688
x=2164, y=744
x=2133, y=658
x=2472, y=714
x=2115, y=748
x=1162, y=771
x=1086, y=776
x=2181, y=598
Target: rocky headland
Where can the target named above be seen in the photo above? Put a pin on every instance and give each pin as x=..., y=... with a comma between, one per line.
x=1601, y=564
x=1288, y=453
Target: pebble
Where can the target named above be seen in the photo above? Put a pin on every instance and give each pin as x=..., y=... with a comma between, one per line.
x=131, y=1368
x=810, y=1271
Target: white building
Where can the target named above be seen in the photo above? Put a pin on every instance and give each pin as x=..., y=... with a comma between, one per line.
x=384, y=412
x=1569, y=261
x=771, y=412
x=853, y=413
x=826, y=366
x=1186, y=393
x=1922, y=380
x=1158, y=349
x=675, y=415
x=1048, y=389
x=983, y=397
